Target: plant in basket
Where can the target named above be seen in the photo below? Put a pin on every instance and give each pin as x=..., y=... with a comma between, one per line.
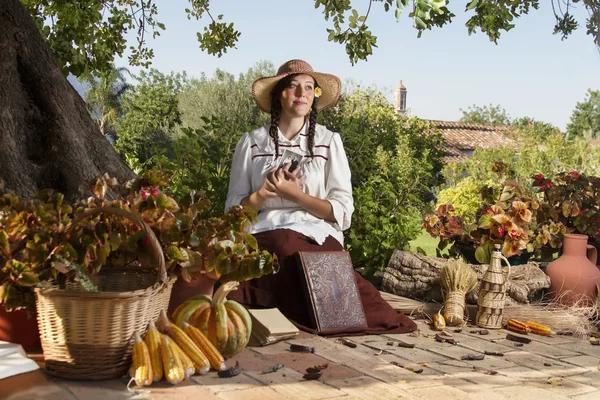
x=220, y=247
x=63, y=252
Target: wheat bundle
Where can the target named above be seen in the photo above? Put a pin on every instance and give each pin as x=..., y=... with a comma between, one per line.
x=576, y=320
x=457, y=279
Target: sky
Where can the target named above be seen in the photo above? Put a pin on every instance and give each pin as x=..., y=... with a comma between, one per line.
x=530, y=72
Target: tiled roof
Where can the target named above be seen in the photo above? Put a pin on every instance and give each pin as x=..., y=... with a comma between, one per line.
x=594, y=143
x=461, y=138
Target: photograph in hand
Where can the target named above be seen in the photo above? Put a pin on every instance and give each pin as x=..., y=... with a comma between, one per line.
x=292, y=157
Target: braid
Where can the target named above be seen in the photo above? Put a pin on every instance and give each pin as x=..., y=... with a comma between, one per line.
x=312, y=121
x=312, y=124
x=273, y=131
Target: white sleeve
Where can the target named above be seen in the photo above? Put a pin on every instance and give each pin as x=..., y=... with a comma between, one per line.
x=240, y=178
x=338, y=185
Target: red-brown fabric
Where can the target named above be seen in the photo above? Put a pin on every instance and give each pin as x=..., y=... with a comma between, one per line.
x=284, y=290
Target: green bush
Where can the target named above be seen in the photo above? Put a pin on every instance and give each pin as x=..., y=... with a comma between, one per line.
x=388, y=207
x=394, y=162
x=466, y=196
x=530, y=156
x=149, y=116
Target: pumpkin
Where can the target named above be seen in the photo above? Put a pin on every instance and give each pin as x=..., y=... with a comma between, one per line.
x=226, y=323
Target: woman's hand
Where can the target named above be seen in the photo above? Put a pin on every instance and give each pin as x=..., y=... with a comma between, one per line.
x=286, y=184
x=267, y=191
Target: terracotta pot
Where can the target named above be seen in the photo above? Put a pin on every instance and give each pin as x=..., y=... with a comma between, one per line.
x=17, y=327
x=574, y=275
x=183, y=290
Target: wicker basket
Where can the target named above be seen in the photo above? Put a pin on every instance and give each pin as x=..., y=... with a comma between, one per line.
x=88, y=335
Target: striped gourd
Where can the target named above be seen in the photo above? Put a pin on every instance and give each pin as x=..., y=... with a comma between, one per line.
x=142, y=366
x=200, y=361
x=225, y=323
x=217, y=362
x=152, y=340
x=172, y=367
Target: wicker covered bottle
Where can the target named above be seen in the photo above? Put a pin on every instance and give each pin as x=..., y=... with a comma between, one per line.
x=492, y=291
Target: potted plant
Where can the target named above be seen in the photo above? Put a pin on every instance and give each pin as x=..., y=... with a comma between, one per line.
x=573, y=199
x=507, y=217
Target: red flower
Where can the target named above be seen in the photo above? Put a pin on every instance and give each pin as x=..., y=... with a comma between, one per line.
x=501, y=231
x=549, y=184
x=539, y=177
x=574, y=174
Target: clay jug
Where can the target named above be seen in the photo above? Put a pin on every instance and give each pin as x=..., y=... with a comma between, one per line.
x=574, y=275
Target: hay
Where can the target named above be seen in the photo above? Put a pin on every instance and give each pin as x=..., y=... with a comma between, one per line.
x=457, y=279
x=576, y=320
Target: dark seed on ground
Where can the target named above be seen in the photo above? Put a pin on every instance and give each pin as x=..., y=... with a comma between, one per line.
x=298, y=348
x=473, y=357
x=311, y=376
x=519, y=339
x=231, y=372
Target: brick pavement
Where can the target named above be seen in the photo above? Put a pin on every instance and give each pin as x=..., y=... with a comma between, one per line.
x=551, y=368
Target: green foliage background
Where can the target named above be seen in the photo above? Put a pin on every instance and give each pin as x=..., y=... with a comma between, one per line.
x=189, y=129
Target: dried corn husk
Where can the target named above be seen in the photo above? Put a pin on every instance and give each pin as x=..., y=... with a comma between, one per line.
x=457, y=279
x=574, y=320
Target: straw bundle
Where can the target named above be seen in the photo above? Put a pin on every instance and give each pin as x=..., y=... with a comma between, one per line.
x=457, y=279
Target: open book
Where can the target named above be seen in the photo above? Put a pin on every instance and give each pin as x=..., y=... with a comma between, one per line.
x=270, y=326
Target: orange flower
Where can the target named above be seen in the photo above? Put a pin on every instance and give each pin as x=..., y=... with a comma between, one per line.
x=522, y=212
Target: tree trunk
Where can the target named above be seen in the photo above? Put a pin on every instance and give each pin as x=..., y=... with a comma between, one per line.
x=47, y=137
x=417, y=276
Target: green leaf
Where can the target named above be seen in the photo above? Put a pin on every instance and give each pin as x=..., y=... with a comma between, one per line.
x=251, y=241
x=174, y=253
x=4, y=245
x=485, y=221
x=472, y=5
x=482, y=253
x=28, y=279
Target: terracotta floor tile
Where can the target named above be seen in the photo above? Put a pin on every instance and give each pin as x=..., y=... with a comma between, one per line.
x=301, y=361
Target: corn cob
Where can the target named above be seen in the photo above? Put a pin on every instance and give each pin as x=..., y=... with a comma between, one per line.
x=539, y=329
x=439, y=323
x=517, y=326
x=186, y=362
x=201, y=363
x=152, y=340
x=216, y=360
x=172, y=366
x=142, y=366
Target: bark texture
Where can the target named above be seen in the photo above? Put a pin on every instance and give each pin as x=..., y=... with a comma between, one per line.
x=47, y=137
x=417, y=276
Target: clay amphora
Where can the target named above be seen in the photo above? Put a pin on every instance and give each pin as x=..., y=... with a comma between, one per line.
x=492, y=291
x=574, y=275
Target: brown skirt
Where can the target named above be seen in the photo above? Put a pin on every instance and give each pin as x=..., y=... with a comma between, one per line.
x=282, y=290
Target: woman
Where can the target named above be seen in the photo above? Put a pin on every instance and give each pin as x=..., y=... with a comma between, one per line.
x=305, y=208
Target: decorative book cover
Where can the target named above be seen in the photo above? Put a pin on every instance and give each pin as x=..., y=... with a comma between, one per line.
x=331, y=290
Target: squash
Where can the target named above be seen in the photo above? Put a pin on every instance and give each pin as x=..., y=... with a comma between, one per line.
x=226, y=323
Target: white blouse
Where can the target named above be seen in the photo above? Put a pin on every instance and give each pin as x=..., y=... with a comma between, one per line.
x=327, y=177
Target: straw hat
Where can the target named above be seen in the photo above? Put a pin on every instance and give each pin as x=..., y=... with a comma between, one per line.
x=329, y=84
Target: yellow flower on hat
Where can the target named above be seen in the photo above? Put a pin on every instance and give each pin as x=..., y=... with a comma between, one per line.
x=318, y=92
